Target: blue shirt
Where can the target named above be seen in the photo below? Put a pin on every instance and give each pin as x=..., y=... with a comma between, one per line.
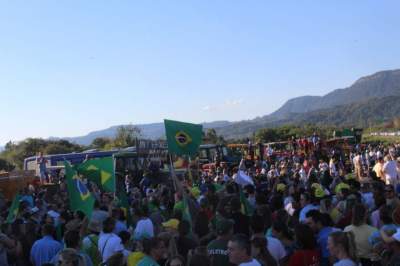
x=119, y=227
x=44, y=249
x=323, y=240
x=305, y=210
x=28, y=199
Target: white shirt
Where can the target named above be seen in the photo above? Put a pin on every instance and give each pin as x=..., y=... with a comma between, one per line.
x=332, y=167
x=253, y=262
x=144, y=228
x=303, y=175
x=323, y=166
x=276, y=248
x=242, y=179
x=109, y=244
x=272, y=173
x=390, y=169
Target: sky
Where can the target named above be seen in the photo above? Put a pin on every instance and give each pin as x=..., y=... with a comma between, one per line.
x=71, y=67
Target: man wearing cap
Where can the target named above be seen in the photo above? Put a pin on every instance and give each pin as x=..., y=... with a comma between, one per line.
x=218, y=248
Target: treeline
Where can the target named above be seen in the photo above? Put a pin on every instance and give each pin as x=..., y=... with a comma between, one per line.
x=13, y=155
x=286, y=132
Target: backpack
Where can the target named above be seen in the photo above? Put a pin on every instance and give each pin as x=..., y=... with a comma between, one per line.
x=93, y=251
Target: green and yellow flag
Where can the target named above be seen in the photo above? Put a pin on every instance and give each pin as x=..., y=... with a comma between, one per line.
x=183, y=138
x=99, y=171
x=123, y=203
x=13, y=212
x=186, y=212
x=80, y=198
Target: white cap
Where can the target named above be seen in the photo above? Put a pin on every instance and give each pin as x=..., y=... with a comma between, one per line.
x=396, y=235
x=53, y=214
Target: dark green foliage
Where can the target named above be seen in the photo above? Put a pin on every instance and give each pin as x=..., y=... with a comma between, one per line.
x=101, y=143
x=6, y=166
x=365, y=114
x=15, y=153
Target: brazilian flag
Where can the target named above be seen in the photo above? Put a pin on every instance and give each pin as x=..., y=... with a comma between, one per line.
x=123, y=203
x=183, y=138
x=99, y=171
x=13, y=212
x=80, y=198
x=186, y=212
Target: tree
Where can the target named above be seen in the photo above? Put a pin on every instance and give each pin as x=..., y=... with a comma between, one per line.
x=6, y=166
x=266, y=135
x=212, y=136
x=100, y=143
x=15, y=153
x=126, y=136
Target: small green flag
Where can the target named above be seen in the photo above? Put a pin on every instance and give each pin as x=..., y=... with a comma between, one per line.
x=186, y=212
x=80, y=197
x=246, y=208
x=99, y=171
x=14, y=209
x=183, y=138
x=124, y=205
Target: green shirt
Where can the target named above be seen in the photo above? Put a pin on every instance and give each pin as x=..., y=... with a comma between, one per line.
x=218, y=252
x=147, y=261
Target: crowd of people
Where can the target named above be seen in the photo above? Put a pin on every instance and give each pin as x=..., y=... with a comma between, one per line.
x=298, y=210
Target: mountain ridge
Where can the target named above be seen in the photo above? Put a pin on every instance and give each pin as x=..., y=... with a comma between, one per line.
x=360, y=104
x=379, y=84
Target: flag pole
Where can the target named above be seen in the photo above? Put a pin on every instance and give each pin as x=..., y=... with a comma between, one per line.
x=173, y=176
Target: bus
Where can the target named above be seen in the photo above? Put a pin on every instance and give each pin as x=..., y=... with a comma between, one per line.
x=56, y=161
x=209, y=154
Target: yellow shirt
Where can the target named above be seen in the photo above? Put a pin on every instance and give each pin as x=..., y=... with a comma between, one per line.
x=378, y=169
x=361, y=235
x=135, y=257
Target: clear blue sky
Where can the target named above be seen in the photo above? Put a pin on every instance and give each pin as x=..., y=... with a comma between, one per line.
x=70, y=67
